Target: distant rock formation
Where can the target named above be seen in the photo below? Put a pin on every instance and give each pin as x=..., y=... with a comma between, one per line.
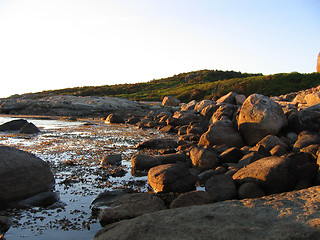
x=318, y=64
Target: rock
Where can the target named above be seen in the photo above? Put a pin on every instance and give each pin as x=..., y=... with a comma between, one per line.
x=130, y=206
x=203, y=104
x=306, y=138
x=44, y=199
x=171, y=158
x=309, y=119
x=167, y=129
x=221, y=132
x=171, y=178
x=221, y=188
x=203, y=159
x=22, y=175
x=182, y=118
x=158, y=143
x=114, y=159
x=291, y=215
x=133, y=120
x=312, y=150
x=144, y=162
x=270, y=141
x=29, y=128
x=250, y=190
x=65, y=105
x=195, y=129
x=318, y=64
x=209, y=110
x=251, y=157
x=232, y=155
x=191, y=198
x=271, y=174
x=229, y=98
x=240, y=99
x=114, y=118
x=14, y=125
x=260, y=116
x=224, y=112
x=5, y=224
x=312, y=98
x=170, y=101
x=278, y=150
x=189, y=106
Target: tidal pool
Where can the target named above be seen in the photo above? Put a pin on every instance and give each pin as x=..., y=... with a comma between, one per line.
x=74, y=151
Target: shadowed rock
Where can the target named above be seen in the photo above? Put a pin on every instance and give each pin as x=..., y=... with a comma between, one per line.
x=291, y=215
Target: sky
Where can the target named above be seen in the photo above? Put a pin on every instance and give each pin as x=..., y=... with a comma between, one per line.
x=54, y=44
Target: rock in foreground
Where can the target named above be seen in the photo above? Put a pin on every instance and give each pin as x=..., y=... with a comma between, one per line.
x=292, y=215
x=22, y=175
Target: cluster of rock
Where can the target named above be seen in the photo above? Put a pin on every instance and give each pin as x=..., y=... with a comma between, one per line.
x=66, y=105
x=237, y=148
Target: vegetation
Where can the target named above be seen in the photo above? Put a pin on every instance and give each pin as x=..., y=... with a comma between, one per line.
x=197, y=85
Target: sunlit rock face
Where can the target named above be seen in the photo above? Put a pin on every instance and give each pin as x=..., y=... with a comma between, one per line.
x=318, y=64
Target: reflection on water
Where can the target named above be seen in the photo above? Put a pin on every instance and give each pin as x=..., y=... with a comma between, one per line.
x=74, y=151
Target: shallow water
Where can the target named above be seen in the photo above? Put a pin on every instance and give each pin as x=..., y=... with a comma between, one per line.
x=74, y=151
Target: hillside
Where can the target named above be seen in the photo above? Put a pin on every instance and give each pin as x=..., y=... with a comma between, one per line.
x=203, y=84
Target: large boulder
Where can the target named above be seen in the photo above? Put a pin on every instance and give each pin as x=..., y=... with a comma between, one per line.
x=171, y=178
x=22, y=175
x=272, y=174
x=291, y=215
x=14, y=125
x=220, y=133
x=260, y=116
x=170, y=101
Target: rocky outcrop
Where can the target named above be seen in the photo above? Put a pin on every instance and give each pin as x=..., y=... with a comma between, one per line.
x=291, y=215
x=22, y=175
x=65, y=105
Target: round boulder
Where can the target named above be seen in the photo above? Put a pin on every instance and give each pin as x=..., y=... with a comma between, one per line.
x=272, y=174
x=170, y=101
x=260, y=116
x=22, y=175
x=171, y=178
x=221, y=187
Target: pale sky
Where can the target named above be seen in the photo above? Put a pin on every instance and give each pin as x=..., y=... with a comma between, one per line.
x=53, y=44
